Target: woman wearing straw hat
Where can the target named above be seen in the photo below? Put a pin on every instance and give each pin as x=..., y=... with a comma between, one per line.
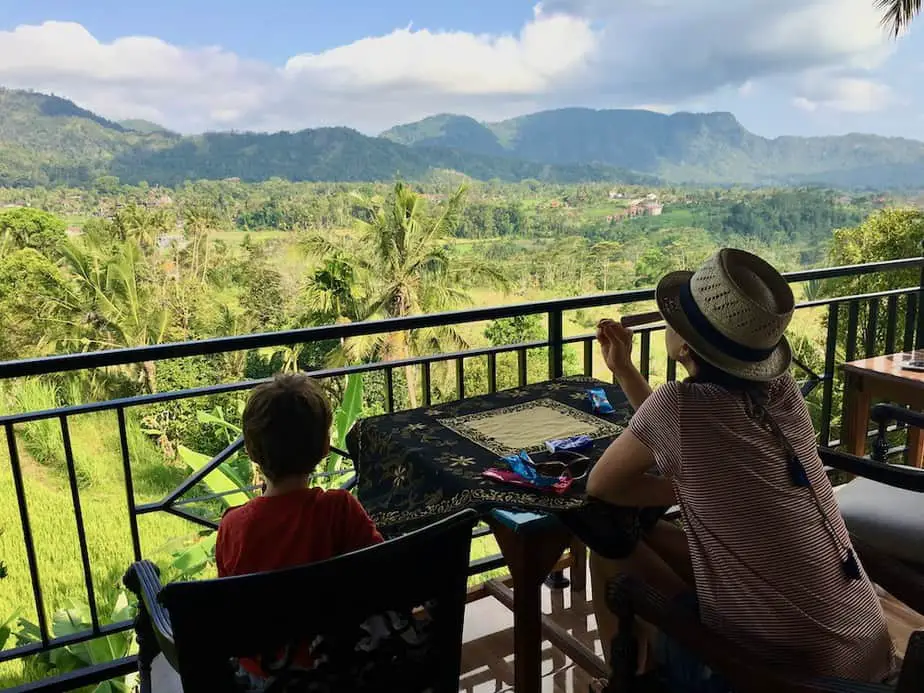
x=764, y=551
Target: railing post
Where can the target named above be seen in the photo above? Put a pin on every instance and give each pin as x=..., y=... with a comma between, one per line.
x=830, y=372
x=919, y=335
x=556, y=344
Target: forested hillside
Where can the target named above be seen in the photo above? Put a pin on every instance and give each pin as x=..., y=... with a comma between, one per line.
x=702, y=148
x=46, y=140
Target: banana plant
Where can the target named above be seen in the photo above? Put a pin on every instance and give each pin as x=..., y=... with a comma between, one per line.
x=346, y=415
x=76, y=619
x=6, y=628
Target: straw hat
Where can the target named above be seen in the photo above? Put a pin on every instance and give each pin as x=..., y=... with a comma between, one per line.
x=732, y=312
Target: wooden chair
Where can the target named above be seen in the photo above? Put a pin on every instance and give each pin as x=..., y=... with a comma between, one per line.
x=884, y=511
x=628, y=598
x=201, y=627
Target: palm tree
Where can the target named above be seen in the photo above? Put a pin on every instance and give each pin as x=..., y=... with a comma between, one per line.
x=897, y=14
x=399, y=264
x=199, y=222
x=605, y=253
x=112, y=305
x=134, y=222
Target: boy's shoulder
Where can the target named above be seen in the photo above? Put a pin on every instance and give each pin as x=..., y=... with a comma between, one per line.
x=328, y=501
x=235, y=513
x=336, y=498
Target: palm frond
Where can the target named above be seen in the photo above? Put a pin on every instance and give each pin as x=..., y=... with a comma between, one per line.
x=897, y=14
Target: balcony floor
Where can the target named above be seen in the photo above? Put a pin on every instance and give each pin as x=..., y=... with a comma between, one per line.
x=487, y=652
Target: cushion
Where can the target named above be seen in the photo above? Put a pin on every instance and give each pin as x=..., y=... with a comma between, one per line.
x=887, y=518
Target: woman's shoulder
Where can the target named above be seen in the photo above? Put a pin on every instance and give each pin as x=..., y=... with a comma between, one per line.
x=784, y=387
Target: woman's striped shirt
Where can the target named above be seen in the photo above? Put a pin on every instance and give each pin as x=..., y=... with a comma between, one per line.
x=769, y=575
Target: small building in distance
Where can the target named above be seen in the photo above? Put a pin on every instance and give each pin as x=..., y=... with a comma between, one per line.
x=168, y=240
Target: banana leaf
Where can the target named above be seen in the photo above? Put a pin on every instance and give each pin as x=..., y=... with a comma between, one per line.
x=216, y=419
x=226, y=480
x=346, y=415
x=194, y=559
x=6, y=628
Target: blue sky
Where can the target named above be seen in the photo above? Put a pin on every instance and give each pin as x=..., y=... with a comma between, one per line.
x=784, y=67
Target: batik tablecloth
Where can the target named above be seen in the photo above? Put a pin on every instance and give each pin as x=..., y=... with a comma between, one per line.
x=417, y=466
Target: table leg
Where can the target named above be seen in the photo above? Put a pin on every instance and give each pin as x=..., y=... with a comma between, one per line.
x=578, y=565
x=530, y=558
x=915, y=446
x=855, y=425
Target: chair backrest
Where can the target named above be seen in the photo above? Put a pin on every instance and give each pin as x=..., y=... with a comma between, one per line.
x=264, y=614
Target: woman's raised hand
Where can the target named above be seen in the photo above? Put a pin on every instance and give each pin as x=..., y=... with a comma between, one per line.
x=615, y=345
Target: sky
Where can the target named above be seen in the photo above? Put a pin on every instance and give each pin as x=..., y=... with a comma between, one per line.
x=783, y=67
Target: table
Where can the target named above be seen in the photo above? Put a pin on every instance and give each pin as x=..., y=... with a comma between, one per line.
x=416, y=467
x=880, y=378
x=532, y=544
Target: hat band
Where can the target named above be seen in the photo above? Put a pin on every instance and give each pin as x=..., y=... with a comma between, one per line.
x=707, y=331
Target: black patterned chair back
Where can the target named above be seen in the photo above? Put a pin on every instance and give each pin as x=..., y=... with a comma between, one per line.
x=386, y=618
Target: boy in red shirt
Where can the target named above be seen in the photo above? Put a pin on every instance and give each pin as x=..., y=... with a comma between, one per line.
x=287, y=433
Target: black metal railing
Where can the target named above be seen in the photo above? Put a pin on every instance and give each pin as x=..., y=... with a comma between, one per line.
x=879, y=311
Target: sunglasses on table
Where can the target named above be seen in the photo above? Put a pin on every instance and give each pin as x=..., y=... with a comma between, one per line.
x=564, y=464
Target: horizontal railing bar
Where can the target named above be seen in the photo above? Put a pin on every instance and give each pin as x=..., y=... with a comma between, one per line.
x=73, y=639
x=245, y=489
x=854, y=270
x=481, y=531
x=195, y=519
x=837, y=300
x=80, y=678
x=483, y=565
x=220, y=345
x=227, y=388
x=585, y=336
x=205, y=499
x=216, y=345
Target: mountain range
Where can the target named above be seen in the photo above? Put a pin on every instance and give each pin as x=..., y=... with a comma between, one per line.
x=47, y=140
x=698, y=148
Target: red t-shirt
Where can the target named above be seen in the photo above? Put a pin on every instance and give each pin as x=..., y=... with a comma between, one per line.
x=304, y=526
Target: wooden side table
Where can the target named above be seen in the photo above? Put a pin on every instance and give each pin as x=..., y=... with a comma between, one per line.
x=881, y=379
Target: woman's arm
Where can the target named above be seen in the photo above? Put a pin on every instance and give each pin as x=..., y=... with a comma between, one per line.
x=616, y=347
x=634, y=385
x=620, y=476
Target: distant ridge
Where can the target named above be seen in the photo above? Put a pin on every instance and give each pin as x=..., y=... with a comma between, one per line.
x=705, y=148
x=46, y=140
x=145, y=127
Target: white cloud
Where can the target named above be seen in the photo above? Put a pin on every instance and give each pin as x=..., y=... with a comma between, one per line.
x=848, y=94
x=547, y=50
x=570, y=52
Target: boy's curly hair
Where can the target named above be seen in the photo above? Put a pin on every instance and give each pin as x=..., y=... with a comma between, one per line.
x=287, y=426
